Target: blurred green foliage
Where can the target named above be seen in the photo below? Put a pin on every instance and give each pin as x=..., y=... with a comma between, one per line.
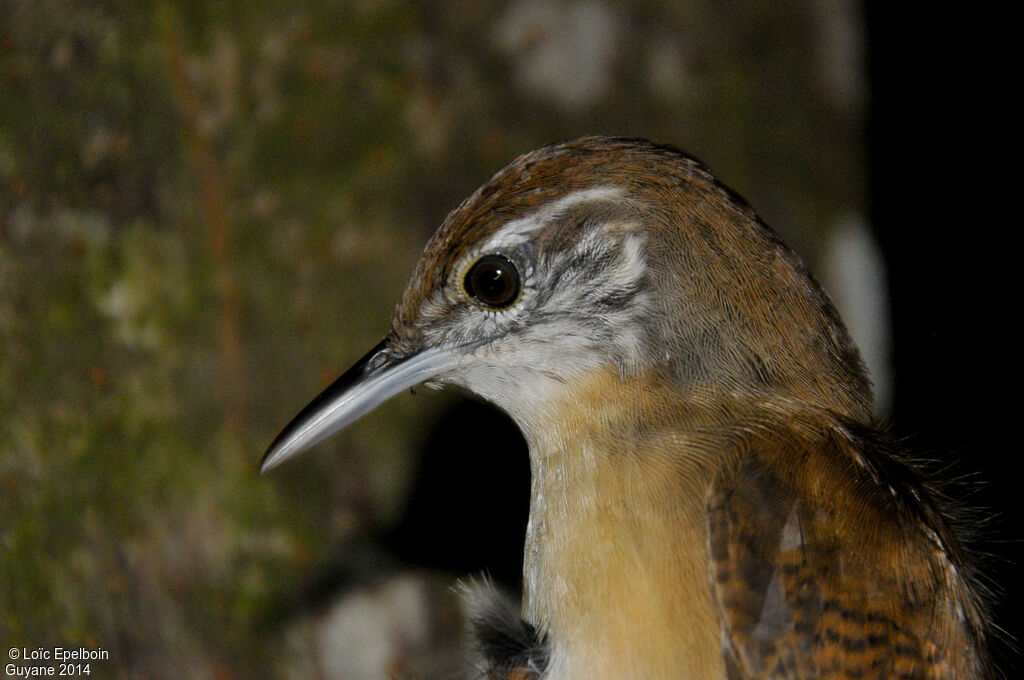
x=207, y=210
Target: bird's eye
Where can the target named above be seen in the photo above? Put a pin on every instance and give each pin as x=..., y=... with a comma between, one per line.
x=493, y=281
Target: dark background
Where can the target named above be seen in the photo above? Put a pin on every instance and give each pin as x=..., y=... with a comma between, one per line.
x=942, y=143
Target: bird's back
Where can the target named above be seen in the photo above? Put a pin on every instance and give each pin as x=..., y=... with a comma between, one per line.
x=830, y=559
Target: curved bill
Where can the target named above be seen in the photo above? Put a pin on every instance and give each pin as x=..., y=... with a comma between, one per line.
x=374, y=379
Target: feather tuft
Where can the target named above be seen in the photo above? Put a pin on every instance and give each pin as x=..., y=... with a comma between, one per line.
x=508, y=648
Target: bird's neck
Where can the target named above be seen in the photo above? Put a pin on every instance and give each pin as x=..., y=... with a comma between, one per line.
x=616, y=551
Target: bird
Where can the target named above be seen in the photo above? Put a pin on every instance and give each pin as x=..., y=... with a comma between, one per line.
x=710, y=497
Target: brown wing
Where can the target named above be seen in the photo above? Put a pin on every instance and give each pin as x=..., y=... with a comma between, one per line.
x=824, y=565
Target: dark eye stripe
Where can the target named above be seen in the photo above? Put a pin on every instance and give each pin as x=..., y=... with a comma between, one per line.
x=493, y=281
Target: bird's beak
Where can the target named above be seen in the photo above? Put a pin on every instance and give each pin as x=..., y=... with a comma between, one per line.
x=374, y=379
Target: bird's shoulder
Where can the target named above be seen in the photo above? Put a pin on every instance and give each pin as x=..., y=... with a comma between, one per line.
x=832, y=558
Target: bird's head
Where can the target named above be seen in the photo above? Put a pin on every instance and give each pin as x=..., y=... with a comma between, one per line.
x=592, y=255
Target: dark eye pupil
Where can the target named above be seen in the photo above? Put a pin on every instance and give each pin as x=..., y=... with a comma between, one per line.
x=493, y=281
